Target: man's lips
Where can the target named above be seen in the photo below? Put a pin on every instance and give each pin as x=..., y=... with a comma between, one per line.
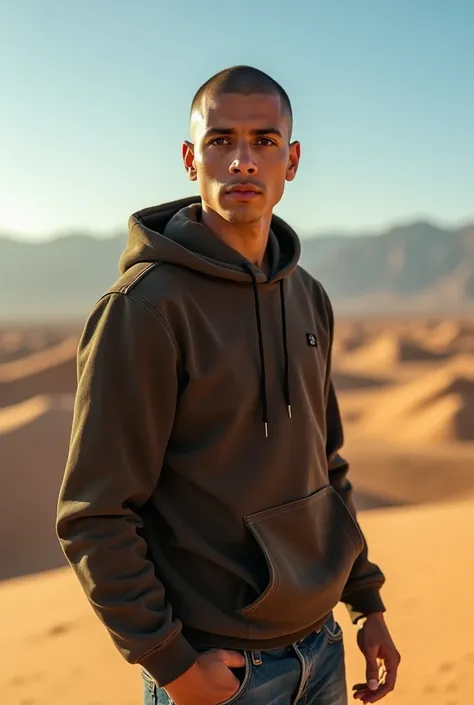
x=243, y=195
x=244, y=187
x=244, y=192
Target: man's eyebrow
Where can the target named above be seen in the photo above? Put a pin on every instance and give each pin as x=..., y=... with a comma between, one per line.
x=267, y=131
x=261, y=131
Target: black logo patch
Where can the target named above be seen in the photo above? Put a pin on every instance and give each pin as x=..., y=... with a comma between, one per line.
x=312, y=340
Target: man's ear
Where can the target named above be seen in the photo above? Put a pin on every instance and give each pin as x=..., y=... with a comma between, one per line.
x=294, y=160
x=187, y=151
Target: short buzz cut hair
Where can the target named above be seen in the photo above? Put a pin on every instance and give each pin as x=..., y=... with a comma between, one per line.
x=245, y=80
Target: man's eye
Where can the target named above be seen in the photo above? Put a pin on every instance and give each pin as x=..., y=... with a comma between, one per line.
x=219, y=141
x=265, y=141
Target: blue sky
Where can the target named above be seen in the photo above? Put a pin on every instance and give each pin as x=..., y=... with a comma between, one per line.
x=95, y=98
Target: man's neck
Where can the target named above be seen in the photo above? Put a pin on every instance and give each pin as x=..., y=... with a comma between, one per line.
x=249, y=239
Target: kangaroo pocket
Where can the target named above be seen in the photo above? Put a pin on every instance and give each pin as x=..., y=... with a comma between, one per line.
x=310, y=546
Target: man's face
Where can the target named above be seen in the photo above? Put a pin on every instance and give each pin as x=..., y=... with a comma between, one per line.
x=241, y=155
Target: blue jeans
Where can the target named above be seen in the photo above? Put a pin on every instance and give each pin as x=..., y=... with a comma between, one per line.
x=309, y=672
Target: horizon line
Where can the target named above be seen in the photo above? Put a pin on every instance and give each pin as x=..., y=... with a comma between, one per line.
x=329, y=231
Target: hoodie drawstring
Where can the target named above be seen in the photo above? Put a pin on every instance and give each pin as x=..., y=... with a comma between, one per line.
x=263, y=378
x=285, y=348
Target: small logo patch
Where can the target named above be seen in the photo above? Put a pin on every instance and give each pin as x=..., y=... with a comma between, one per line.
x=312, y=340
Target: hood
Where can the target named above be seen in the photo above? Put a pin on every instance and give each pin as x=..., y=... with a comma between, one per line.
x=173, y=233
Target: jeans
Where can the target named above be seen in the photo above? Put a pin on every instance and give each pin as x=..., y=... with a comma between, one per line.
x=309, y=672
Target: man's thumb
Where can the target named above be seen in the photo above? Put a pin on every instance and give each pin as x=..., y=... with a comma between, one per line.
x=372, y=671
x=232, y=659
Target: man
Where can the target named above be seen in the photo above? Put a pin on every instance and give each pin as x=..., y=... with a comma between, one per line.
x=204, y=507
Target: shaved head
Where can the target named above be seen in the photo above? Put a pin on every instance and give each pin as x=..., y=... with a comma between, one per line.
x=242, y=80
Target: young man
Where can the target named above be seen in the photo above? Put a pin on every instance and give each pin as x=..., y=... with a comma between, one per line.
x=205, y=507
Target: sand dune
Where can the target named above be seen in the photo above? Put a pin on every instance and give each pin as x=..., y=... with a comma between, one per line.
x=347, y=380
x=351, y=336
x=17, y=342
x=435, y=408
x=436, y=336
x=446, y=334
x=398, y=473
x=448, y=337
x=48, y=371
x=34, y=437
x=428, y=594
x=390, y=349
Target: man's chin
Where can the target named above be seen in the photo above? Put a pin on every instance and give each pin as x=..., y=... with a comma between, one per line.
x=241, y=215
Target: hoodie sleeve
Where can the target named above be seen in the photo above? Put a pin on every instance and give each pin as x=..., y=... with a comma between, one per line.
x=124, y=412
x=361, y=594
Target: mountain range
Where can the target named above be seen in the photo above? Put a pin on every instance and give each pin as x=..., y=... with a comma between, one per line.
x=414, y=268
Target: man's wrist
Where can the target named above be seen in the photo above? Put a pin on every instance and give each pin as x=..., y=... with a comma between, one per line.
x=370, y=617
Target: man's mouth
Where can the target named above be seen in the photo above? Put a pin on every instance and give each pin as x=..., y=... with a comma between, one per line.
x=243, y=195
x=243, y=192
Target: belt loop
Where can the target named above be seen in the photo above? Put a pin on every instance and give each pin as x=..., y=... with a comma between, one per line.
x=257, y=658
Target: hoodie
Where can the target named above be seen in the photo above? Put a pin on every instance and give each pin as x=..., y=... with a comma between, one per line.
x=204, y=502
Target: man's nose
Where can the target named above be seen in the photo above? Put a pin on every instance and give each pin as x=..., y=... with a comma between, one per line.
x=243, y=162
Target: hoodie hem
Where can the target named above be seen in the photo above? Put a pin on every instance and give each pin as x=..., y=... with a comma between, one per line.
x=200, y=639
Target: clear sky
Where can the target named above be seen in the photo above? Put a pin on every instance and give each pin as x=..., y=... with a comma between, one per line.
x=95, y=96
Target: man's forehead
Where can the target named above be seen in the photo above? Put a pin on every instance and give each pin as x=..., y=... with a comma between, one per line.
x=234, y=110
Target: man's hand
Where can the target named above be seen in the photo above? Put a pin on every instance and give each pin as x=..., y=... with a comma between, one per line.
x=382, y=660
x=209, y=681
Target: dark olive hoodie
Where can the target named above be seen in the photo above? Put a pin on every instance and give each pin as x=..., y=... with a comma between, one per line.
x=204, y=502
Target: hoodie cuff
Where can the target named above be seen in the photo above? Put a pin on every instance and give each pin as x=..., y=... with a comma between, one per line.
x=363, y=602
x=167, y=663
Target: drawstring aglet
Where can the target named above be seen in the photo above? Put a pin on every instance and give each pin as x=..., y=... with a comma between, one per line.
x=266, y=429
x=289, y=411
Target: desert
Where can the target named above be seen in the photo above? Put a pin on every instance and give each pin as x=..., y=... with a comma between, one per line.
x=406, y=390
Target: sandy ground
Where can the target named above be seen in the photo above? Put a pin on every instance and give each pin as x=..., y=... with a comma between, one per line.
x=406, y=389
x=54, y=650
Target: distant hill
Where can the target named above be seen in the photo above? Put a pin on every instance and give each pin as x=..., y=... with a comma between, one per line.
x=415, y=268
